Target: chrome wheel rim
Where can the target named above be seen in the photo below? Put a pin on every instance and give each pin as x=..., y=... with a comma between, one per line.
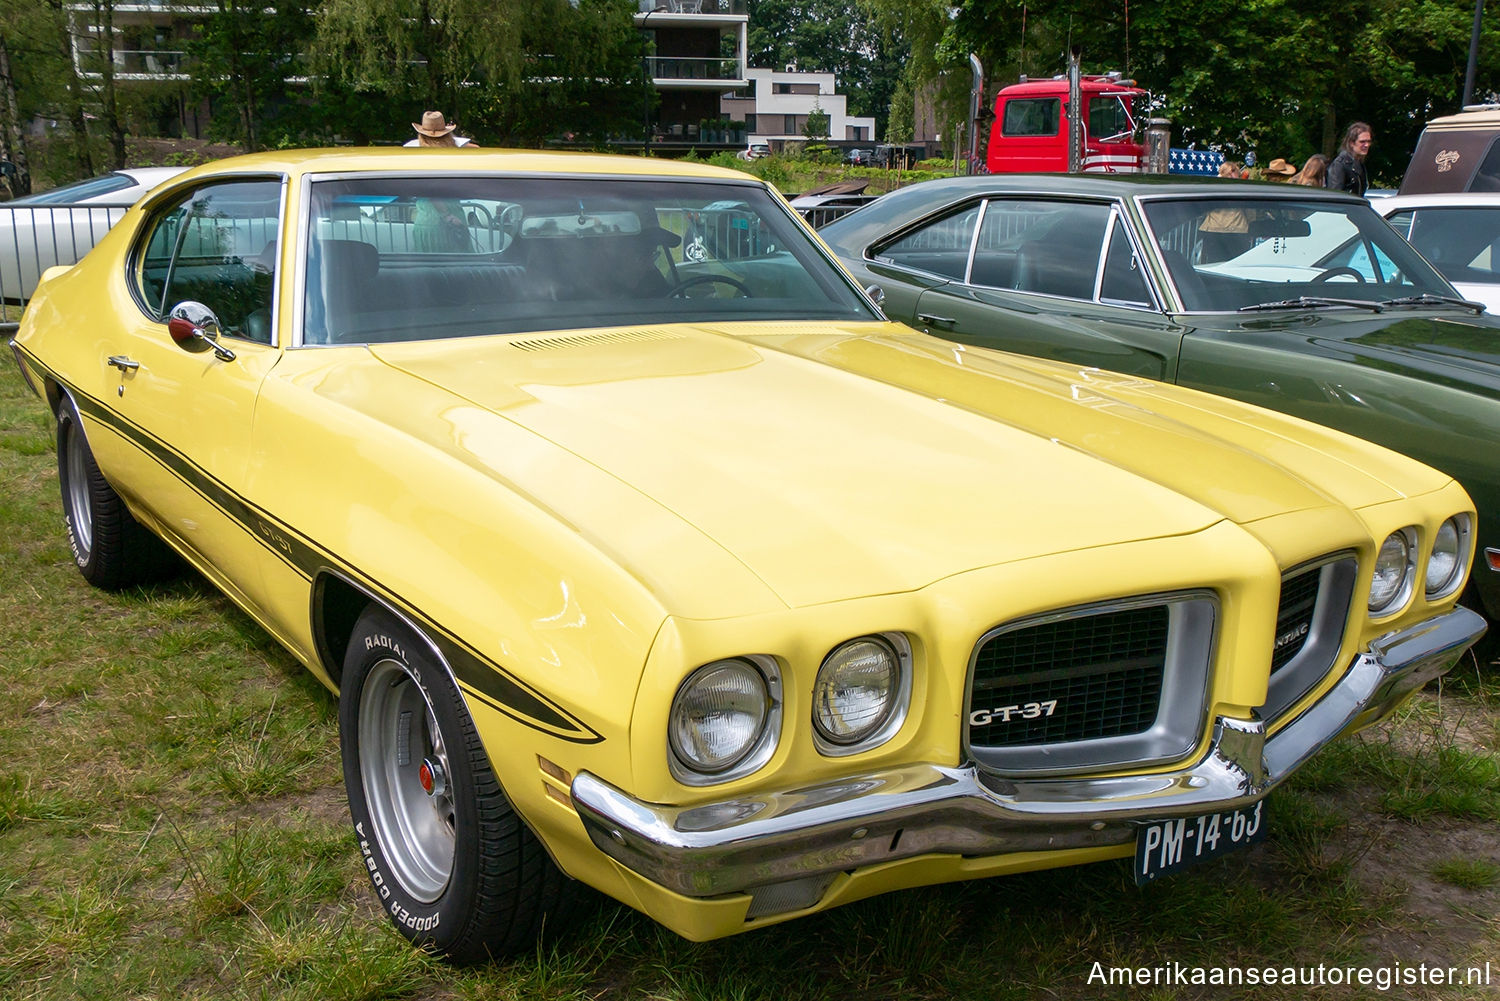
x=80, y=514
x=404, y=767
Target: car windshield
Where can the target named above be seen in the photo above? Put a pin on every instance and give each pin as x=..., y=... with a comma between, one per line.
x=1463, y=243
x=415, y=258
x=78, y=191
x=1226, y=254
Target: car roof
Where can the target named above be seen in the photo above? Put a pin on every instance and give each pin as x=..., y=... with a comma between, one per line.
x=460, y=160
x=1434, y=199
x=1473, y=117
x=852, y=232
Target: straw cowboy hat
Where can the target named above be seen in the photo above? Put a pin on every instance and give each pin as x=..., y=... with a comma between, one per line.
x=1278, y=166
x=433, y=125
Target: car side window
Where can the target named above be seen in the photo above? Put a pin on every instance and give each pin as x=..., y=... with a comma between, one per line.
x=1401, y=223
x=1046, y=247
x=1124, y=279
x=939, y=248
x=218, y=245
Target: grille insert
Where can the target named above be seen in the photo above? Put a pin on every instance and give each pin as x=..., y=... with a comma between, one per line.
x=1310, y=622
x=1294, y=616
x=1079, y=678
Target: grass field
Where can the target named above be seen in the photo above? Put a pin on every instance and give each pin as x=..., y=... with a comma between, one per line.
x=173, y=825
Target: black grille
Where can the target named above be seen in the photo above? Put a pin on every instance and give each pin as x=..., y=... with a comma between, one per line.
x=1299, y=595
x=1103, y=672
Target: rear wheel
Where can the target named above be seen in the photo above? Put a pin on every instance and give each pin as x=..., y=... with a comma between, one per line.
x=111, y=548
x=454, y=866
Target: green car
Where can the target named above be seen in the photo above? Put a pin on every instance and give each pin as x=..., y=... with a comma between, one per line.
x=1297, y=299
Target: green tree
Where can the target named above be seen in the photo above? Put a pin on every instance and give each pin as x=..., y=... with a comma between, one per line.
x=816, y=126
x=515, y=71
x=829, y=36
x=901, y=116
x=243, y=59
x=61, y=42
x=1275, y=77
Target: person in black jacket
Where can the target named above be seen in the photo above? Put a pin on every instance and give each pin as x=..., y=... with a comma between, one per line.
x=1347, y=171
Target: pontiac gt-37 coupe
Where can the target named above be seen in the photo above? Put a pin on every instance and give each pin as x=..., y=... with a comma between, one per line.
x=1292, y=298
x=640, y=549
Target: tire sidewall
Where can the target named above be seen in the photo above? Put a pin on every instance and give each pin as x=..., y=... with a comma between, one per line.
x=444, y=922
x=70, y=435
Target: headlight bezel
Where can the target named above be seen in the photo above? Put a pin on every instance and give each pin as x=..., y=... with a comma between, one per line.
x=1401, y=595
x=1464, y=526
x=897, y=711
x=758, y=751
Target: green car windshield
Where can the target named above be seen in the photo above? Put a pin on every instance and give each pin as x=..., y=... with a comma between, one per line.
x=1227, y=254
x=417, y=258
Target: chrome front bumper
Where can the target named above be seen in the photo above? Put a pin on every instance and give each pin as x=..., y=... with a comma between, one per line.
x=736, y=845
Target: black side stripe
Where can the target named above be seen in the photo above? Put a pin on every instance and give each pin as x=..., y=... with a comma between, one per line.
x=486, y=680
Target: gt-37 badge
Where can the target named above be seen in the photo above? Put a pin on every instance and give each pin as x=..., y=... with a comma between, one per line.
x=1004, y=714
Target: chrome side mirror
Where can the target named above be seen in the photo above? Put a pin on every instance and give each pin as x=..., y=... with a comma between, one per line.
x=195, y=327
x=877, y=295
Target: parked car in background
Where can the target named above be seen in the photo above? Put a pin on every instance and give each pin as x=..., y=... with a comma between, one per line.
x=755, y=151
x=1297, y=299
x=640, y=549
x=903, y=157
x=1456, y=153
x=62, y=224
x=859, y=157
x=1458, y=233
x=822, y=205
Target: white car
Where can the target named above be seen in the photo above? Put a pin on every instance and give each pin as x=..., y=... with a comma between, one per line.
x=61, y=225
x=1459, y=233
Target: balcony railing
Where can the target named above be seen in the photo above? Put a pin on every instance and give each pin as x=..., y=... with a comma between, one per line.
x=147, y=62
x=693, y=68
x=692, y=6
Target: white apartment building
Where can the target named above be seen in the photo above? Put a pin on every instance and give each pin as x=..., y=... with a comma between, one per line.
x=775, y=106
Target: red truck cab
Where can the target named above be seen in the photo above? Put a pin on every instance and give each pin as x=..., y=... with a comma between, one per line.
x=1030, y=131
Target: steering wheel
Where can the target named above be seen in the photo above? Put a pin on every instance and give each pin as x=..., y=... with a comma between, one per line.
x=1338, y=272
x=675, y=292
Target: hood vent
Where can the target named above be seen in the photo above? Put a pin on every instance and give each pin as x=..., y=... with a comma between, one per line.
x=588, y=340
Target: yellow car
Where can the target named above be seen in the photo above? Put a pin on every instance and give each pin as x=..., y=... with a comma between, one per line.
x=642, y=551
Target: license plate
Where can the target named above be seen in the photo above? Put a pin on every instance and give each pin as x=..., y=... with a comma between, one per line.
x=1168, y=846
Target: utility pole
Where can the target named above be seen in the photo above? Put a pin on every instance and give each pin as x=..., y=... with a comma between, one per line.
x=1473, y=55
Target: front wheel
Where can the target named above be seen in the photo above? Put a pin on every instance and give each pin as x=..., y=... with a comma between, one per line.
x=454, y=866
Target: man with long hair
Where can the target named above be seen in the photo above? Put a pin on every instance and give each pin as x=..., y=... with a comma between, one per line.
x=1347, y=171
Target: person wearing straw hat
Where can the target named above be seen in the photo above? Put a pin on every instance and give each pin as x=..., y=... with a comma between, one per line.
x=1278, y=170
x=434, y=130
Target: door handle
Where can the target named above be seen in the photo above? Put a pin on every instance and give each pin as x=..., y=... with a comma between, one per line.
x=124, y=363
x=938, y=321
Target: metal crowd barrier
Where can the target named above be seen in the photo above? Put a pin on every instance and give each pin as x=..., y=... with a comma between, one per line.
x=34, y=238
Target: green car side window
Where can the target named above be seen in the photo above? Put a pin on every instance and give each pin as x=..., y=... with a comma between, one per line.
x=1123, y=281
x=1047, y=247
x=939, y=248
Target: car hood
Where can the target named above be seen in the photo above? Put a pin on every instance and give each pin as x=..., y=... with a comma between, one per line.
x=1457, y=350
x=836, y=461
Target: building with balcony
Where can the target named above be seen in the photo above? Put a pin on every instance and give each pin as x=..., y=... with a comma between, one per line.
x=696, y=54
x=775, y=106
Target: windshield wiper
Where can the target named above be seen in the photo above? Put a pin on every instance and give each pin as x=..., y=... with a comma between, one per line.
x=1432, y=299
x=1310, y=301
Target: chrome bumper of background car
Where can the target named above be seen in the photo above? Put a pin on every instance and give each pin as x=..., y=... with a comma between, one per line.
x=817, y=831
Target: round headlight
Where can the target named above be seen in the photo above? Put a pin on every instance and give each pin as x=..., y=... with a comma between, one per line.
x=1446, y=562
x=856, y=690
x=719, y=715
x=1392, y=571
